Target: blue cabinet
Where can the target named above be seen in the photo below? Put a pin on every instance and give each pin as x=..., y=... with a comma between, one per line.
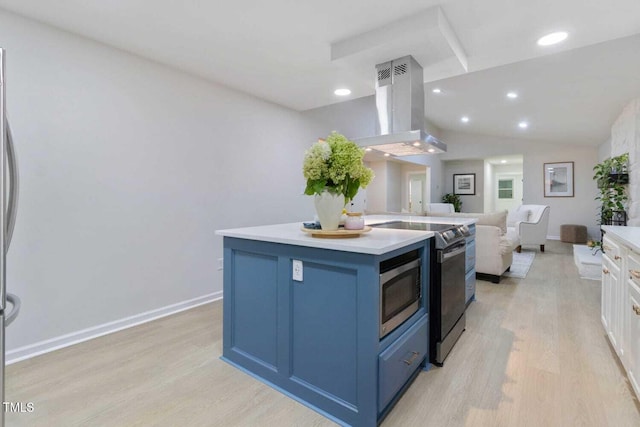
x=324, y=330
x=317, y=340
x=470, y=266
x=398, y=362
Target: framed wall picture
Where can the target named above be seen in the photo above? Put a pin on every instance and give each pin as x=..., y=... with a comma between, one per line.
x=558, y=179
x=464, y=184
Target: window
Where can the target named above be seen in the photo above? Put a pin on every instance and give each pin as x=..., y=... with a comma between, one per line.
x=505, y=189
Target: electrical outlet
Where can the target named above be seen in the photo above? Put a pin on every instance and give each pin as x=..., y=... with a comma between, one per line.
x=220, y=264
x=297, y=270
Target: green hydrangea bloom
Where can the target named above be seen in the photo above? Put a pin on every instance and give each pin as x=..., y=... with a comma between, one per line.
x=336, y=164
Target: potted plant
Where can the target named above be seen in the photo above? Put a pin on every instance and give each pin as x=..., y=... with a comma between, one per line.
x=614, y=170
x=454, y=199
x=612, y=175
x=334, y=171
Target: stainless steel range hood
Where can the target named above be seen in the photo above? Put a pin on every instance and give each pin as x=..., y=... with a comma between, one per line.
x=400, y=111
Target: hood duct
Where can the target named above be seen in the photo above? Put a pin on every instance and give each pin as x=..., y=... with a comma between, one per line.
x=400, y=111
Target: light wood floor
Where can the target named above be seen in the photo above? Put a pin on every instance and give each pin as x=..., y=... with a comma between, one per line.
x=534, y=354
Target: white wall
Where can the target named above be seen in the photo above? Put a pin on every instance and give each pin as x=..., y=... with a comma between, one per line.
x=625, y=138
x=580, y=209
x=394, y=187
x=604, y=150
x=470, y=203
x=127, y=168
x=377, y=189
x=385, y=193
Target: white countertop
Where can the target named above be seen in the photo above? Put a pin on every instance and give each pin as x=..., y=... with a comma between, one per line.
x=630, y=236
x=376, y=242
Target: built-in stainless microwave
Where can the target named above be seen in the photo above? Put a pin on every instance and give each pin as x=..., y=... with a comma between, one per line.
x=400, y=290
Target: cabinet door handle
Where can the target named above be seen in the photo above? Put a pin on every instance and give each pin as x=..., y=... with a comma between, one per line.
x=635, y=273
x=605, y=271
x=617, y=257
x=636, y=308
x=414, y=354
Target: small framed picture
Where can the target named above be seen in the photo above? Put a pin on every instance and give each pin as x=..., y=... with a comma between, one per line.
x=464, y=184
x=558, y=179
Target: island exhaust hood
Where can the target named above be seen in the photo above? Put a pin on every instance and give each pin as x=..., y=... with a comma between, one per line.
x=400, y=111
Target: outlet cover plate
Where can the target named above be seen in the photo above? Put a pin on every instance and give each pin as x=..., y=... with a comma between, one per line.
x=297, y=270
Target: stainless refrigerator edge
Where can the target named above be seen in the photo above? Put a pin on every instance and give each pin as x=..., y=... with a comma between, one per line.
x=9, y=198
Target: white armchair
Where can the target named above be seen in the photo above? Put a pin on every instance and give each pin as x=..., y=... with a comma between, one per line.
x=533, y=231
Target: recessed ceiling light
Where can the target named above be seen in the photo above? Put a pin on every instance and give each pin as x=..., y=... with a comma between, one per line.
x=342, y=92
x=552, y=38
x=367, y=149
x=436, y=90
x=464, y=119
x=503, y=161
x=523, y=125
x=387, y=154
x=512, y=95
x=416, y=144
x=431, y=150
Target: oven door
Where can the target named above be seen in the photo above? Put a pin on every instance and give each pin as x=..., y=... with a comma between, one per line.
x=400, y=292
x=452, y=286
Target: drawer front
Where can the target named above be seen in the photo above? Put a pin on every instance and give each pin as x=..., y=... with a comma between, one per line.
x=612, y=250
x=400, y=360
x=470, y=261
x=470, y=285
x=633, y=265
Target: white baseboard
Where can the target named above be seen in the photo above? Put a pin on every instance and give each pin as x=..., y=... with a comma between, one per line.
x=553, y=237
x=46, y=346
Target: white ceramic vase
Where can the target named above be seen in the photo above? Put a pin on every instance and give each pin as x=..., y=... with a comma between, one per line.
x=329, y=209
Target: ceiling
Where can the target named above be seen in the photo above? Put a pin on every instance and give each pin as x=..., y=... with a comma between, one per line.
x=517, y=159
x=282, y=51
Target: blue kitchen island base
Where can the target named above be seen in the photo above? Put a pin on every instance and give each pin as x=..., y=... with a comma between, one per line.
x=317, y=340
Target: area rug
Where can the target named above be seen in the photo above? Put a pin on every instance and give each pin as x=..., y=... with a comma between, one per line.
x=521, y=264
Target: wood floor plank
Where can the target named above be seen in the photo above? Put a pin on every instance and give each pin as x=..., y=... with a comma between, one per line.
x=534, y=354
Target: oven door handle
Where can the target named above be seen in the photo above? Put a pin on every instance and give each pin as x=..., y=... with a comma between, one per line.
x=448, y=255
x=387, y=275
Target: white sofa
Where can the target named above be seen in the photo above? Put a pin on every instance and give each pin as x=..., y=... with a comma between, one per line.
x=495, y=242
x=531, y=223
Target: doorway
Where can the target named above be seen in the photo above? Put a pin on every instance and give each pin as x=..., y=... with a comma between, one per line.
x=504, y=188
x=419, y=190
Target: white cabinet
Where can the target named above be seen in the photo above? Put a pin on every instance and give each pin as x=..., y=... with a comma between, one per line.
x=620, y=309
x=612, y=293
x=631, y=326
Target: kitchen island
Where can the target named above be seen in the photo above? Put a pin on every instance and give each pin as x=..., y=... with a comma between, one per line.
x=303, y=315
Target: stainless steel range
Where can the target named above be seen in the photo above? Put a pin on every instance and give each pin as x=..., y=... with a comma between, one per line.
x=446, y=297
